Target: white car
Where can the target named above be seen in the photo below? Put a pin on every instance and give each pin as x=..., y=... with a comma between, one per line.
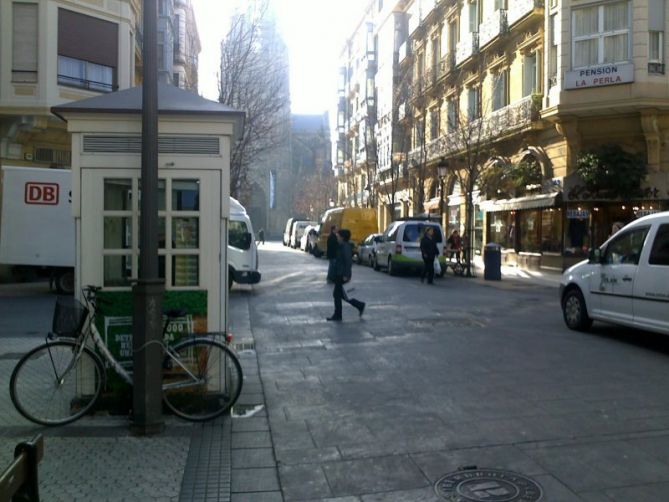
x=399, y=248
x=625, y=281
x=308, y=238
x=367, y=249
x=298, y=230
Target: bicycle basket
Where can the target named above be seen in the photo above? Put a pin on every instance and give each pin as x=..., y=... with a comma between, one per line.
x=69, y=317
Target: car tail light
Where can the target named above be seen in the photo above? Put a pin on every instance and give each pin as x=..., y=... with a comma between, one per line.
x=398, y=248
x=228, y=337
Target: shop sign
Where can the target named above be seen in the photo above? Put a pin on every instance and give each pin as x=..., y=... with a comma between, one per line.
x=578, y=214
x=610, y=74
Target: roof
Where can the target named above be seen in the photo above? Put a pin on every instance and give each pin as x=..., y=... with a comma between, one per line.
x=171, y=101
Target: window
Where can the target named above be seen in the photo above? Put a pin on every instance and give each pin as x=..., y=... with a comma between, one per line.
x=530, y=231
x=473, y=103
x=553, y=52
x=452, y=110
x=551, y=230
x=601, y=34
x=626, y=248
x=434, y=123
x=87, y=65
x=659, y=254
x=500, y=94
x=77, y=73
x=500, y=4
x=656, y=52
x=24, y=42
x=474, y=17
x=530, y=74
x=502, y=229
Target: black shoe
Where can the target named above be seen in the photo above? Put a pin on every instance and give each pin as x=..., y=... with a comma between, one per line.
x=362, y=308
x=333, y=318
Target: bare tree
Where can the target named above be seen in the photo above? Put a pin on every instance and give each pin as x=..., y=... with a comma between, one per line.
x=254, y=79
x=316, y=191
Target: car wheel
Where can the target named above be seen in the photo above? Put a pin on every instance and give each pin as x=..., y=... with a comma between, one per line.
x=391, y=268
x=574, y=311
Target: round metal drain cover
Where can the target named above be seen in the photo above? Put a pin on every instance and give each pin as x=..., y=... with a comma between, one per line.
x=487, y=485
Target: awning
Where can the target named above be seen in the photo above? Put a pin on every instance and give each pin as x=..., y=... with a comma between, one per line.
x=528, y=202
x=432, y=204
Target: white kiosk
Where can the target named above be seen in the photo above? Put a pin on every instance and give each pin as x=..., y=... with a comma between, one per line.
x=194, y=145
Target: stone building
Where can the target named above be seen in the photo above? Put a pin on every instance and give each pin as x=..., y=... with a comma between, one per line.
x=540, y=88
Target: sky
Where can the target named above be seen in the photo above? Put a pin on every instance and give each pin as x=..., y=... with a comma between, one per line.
x=314, y=31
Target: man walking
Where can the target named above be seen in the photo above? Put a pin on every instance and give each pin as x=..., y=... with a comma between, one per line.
x=429, y=251
x=331, y=253
x=342, y=275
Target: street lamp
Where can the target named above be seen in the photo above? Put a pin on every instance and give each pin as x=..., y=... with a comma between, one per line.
x=442, y=171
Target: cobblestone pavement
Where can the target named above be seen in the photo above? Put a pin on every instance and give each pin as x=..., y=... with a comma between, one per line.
x=97, y=459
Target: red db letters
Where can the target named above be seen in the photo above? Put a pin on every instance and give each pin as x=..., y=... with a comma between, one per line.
x=41, y=193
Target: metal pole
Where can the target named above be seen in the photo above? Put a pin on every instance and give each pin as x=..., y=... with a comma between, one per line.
x=147, y=293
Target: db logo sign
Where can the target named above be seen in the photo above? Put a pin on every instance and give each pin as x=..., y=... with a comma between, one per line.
x=41, y=193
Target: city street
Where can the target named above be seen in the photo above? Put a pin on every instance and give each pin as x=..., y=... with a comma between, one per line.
x=463, y=373
x=430, y=380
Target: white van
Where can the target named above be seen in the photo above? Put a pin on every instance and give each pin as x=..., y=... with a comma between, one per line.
x=625, y=281
x=242, y=249
x=399, y=248
x=298, y=230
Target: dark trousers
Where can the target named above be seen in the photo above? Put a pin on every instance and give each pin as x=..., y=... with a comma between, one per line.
x=428, y=270
x=331, y=269
x=339, y=294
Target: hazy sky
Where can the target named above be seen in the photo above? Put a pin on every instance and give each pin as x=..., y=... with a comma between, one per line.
x=314, y=31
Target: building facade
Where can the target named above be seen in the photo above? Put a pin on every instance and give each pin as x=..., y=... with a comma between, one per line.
x=551, y=117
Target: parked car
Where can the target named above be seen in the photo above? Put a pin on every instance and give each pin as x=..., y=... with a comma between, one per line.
x=288, y=230
x=624, y=281
x=308, y=238
x=399, y=248
x=359, y=220
x=367, y=249
x=297, y=231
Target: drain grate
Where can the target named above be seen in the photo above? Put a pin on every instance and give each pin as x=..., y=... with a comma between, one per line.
x=470, y=484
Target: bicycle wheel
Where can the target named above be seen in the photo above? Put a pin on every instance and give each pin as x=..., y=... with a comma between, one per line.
x=49, y=387
x=204, y=380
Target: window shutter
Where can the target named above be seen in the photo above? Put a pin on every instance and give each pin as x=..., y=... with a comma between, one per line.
x=24, y=41
x=656, y=15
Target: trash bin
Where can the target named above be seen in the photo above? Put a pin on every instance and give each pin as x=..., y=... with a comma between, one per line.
x=492, y=260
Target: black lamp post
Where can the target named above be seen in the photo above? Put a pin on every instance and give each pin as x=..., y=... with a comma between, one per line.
x=442, y=171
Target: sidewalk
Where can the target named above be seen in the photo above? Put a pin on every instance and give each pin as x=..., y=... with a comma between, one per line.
x=97, y=459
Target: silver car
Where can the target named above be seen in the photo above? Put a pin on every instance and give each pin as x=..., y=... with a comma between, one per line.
x=367, y=249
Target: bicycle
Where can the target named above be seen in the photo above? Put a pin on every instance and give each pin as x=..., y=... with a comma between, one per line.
x=59, y=381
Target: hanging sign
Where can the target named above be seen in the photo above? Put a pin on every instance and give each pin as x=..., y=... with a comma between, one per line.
x=578, y=214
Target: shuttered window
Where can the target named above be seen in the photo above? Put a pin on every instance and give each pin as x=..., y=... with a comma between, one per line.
x=24, y=42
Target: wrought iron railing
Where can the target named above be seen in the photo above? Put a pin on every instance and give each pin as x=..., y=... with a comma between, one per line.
x=518, y=9
x=492, y=27
x=467, y=47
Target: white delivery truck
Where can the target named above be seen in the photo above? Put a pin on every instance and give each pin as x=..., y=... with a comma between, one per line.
x=242, y=248
x=37, y=228
x=36, y=224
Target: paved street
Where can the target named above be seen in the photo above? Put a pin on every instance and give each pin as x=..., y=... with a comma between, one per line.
x=431, y=379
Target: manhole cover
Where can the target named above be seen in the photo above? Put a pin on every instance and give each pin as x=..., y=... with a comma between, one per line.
x=487, y=485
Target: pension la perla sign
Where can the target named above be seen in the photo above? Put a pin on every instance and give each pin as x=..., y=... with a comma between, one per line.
x=599, y=76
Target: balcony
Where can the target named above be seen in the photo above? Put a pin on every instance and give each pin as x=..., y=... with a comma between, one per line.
x=492, y=27
x=467, y=47
x=446, y=65
x=518, y=9
x=404, y=52
x=511, y=118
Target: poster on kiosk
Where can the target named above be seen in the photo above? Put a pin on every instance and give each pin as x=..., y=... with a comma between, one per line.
x=194, y=144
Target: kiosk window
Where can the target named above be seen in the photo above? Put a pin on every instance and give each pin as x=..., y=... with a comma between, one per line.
x=185, y=195
x=659, y=254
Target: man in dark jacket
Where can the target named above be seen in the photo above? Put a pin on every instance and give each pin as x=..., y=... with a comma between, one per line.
x=342, y=274
x=331, y=254
x=429, y=251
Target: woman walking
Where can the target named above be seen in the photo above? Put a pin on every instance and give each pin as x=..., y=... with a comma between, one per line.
x=342, y=274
